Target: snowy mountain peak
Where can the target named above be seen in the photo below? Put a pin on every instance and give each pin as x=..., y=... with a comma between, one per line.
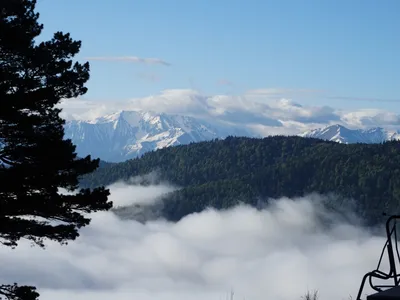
x=340, y=134
x=128, y=134
x=131, y=117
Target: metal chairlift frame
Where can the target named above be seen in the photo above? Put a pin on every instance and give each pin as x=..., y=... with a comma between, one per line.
x=393, y=253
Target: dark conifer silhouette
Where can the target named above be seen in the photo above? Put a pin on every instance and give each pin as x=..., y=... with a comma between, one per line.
x=35, y=160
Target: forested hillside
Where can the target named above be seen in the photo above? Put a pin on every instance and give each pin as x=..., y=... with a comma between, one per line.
x=221, y=173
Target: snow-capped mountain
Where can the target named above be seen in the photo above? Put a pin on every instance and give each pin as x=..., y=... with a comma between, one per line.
x=128, y=134
x=341, y=134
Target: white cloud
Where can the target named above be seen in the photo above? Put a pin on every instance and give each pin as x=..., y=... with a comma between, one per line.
x=130, y=59
x=256, y=109
x=79, y=109
x=287, y=128
x=135, y=193
x=277, y=253
x=178, y=101
x=372, y=118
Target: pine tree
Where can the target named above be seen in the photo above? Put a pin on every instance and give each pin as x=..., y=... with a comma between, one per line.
x=35, y=159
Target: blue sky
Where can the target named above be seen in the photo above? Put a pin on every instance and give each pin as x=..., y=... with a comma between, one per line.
x=339, y=48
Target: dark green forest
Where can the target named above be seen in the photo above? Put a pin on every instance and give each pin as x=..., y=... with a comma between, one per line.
x=222, y=173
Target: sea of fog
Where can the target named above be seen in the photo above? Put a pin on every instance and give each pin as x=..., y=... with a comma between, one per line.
x=276, y=253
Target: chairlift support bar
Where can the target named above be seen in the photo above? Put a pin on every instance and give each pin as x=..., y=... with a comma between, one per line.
x=387, y=291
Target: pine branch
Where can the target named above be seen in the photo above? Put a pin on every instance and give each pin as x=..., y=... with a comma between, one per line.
x=15, y=292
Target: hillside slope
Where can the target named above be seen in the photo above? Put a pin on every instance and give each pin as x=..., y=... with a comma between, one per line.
x=221, y=173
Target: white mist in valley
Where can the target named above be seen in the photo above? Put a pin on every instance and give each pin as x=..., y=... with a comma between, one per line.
x=276, y=253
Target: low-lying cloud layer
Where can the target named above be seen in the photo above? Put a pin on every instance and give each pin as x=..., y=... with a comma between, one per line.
x=277, y=253
x=266, y=111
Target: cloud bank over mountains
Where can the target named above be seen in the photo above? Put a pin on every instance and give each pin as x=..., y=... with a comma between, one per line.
x=264, y=111
x=276, y=253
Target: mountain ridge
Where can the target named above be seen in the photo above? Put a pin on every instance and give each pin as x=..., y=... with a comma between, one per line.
x=341, y=134
x=224, y=173
x=129, y=134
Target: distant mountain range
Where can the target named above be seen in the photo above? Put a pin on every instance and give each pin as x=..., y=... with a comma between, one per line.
x=341, y=134
x=129, y=134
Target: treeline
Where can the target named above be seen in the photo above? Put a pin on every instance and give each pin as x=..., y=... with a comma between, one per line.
x=221, y=173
